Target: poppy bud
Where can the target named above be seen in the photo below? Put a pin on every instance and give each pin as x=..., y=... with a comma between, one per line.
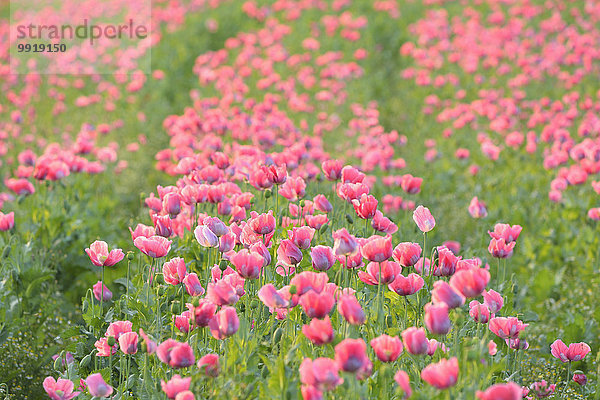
x=6, y=252
x=223, y=265
x=130, y=256
x=580, y=378
x=264, y=312
x=268, y=193
x=111, y=341
x=389, y=322
x=293, y=289
x=277, y=336
x=85, y=361
x=349, y=219
x=58, y=363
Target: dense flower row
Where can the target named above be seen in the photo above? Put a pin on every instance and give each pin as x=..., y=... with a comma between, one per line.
x=269, y=243
x=255, y=251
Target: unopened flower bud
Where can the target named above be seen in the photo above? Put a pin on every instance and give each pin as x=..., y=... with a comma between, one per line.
x=6, y=252
x=223, y=265
x=85, y=361
x=389, y=321
x=58, y=363
x=349, y=219
x=277, y=335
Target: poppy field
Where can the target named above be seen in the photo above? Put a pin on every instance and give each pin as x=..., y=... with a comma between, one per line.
x=304, y=199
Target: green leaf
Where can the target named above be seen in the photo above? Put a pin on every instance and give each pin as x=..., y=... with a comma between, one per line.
x=123, y=282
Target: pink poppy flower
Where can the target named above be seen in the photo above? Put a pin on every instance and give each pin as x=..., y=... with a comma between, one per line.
x=377, y=248
x=351, y=310
x=470, y=282
x=407, y=253
x=415, y=340
x=100, y=290
x=319, y=331
x=344, y=243
x=224, y=323
x=507, y=327
x=128, y=342
x=384, y=272
x=405, y=286
x=436, y=318
x=423, y=218
x=97, y=386
x=209, y=364
x=351, y=355
x=477, y=208
x=271, y=297
x=441, y=375
x=154, y=246
x=502, y=391
x=387, y=348
x=573, y=352
x=175, y=354
x=175, y=385
x=248, y=264
x=317, y=305
x=401, y=378
x=101, y=257
x=174, y=271
x=59, y=390
x=322, y=373
x=7, y=221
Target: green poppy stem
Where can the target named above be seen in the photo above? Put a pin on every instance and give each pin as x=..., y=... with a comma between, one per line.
x=102, y=293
